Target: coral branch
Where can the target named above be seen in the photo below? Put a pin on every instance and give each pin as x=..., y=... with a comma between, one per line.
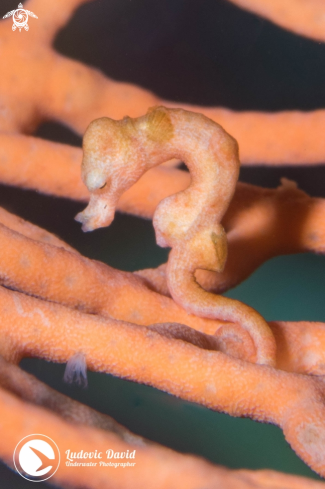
x=284, y=138
x=154, y=467
x=304, y=17
x=211, y=378
x=41, y=165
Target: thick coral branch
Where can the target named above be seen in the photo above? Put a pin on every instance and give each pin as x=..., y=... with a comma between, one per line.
x=29, y=389
x=155, y=467
x=304, y=17
x=211, y=378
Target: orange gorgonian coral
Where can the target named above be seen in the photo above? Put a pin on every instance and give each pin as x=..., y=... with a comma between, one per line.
x=167, y=327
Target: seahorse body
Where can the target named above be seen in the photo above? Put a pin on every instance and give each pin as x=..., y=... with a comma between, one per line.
x=118, y=153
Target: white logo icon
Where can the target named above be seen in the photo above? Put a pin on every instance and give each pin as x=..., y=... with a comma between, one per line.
x=20, y=18
x=36, y=458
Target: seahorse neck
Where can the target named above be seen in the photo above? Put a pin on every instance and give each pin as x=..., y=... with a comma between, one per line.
x=203, y=164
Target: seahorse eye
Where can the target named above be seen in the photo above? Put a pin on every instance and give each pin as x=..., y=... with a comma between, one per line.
x=95, y=180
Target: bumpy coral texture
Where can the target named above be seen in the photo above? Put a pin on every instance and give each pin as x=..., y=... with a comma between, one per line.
x=168, y=327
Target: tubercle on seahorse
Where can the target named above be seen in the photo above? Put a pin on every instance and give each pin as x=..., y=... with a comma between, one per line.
x=118, y=153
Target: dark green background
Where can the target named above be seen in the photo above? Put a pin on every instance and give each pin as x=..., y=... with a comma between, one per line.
x=211, y=53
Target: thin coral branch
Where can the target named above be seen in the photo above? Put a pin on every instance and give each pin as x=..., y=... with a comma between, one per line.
x=176, y=471
x=210, y=378
x=304, y=17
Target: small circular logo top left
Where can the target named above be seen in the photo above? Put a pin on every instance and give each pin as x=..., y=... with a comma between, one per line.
x=36, y=458
x=20, y=17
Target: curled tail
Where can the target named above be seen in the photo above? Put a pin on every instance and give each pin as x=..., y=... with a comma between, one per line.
x=194, y=299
